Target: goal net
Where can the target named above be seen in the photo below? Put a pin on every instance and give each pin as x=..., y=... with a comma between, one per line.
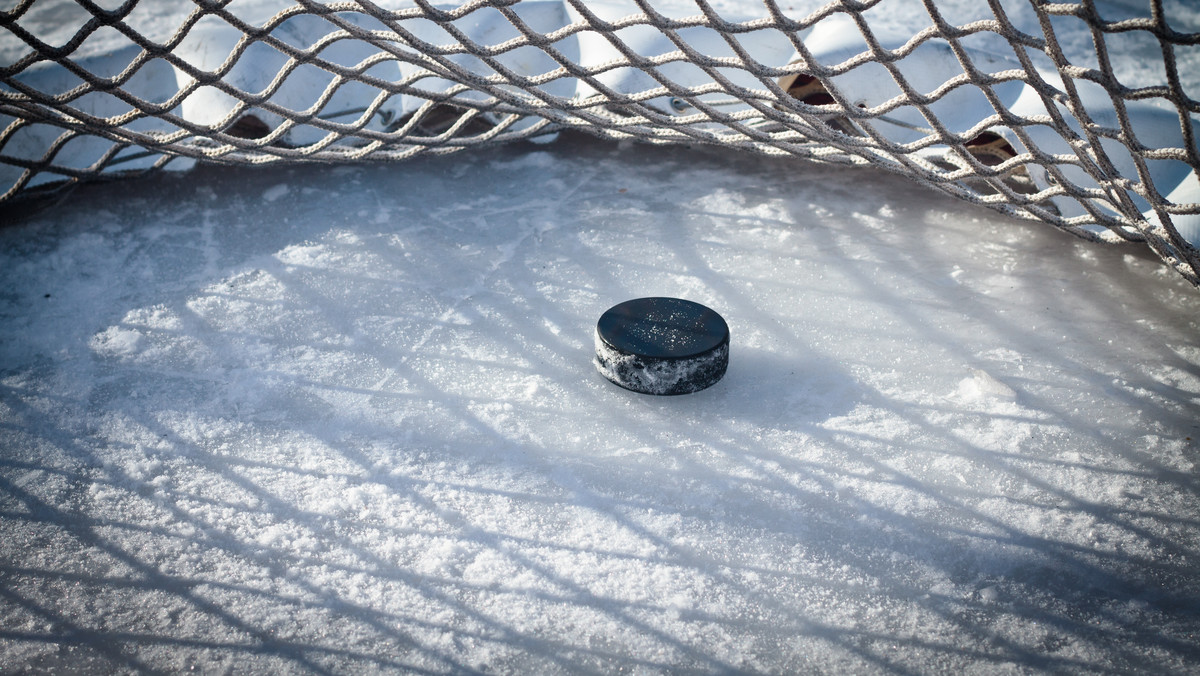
x=989, y=110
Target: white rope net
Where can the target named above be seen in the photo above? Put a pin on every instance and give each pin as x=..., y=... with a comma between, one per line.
x=982, y=110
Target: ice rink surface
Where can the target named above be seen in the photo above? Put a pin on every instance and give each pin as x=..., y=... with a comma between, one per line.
x=344, y=419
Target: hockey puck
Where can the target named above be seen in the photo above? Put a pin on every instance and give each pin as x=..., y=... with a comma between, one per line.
x=662, y=346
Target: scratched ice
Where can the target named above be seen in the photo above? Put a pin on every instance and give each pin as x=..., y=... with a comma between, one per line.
x=317, y=419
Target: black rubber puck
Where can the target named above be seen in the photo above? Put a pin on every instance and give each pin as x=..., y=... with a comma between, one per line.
x=662, y=346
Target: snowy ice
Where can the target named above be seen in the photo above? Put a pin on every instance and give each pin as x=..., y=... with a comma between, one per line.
x=361, y=429
x=319, y=419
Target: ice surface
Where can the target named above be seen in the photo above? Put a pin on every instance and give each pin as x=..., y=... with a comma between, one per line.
x=345, y=419
x=357, y=426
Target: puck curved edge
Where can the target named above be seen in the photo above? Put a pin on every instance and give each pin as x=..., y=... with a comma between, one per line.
x=661, y=376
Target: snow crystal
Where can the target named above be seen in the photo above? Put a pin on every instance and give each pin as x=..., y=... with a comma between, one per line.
x=980, y=385
x=116, y=341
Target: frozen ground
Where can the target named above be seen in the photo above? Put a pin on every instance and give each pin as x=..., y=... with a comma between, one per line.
x=345, y=419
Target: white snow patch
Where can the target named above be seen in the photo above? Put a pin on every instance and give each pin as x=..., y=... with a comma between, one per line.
x=117, y=341
x=981, y=385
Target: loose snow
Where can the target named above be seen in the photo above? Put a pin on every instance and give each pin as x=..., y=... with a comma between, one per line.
x=361, y=429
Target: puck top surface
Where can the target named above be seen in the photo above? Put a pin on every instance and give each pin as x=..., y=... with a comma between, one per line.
x=662, y=328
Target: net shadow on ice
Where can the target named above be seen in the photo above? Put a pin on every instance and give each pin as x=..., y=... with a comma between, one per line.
x=402, y=456
x=1075, y=571
x=136, y=581
x=1078, y=572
